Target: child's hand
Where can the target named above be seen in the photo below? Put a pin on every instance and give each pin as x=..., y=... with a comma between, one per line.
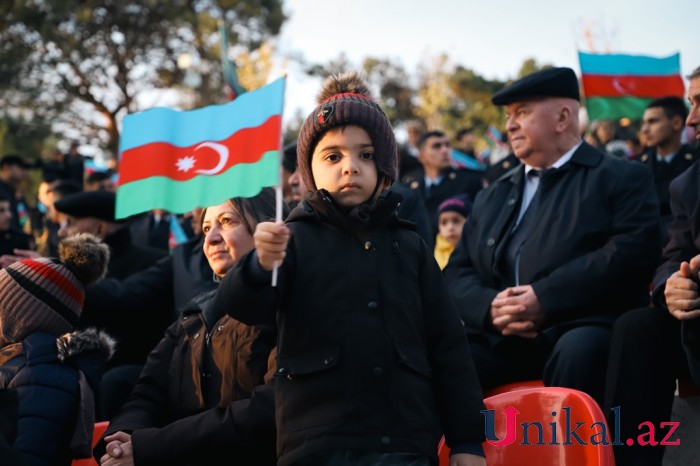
x=271, y=243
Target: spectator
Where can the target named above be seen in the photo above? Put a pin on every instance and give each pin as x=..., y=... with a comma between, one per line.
x=646, y=355
x=157, y=424
x=438, y=180
x=452, y=215
x=667, y=157
x=11, y=238
x=372, y=363
x=555, y=250
x=53, y=367
x=13, y=173
x=408, y=151
x=93, y=212
x=74, y=164
x=100, y=181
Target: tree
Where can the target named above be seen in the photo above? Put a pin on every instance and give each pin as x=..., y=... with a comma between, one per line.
x=83, y=64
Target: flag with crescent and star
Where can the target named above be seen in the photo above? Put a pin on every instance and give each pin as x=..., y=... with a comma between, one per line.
x=621, y=85
x=180, y=160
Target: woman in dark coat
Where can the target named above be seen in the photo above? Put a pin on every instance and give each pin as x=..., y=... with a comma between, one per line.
x=205, y=361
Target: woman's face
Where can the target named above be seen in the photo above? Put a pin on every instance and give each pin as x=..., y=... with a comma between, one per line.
x=226, y=237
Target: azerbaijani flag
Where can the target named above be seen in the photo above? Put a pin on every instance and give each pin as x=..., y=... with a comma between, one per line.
x=179, y=160
x=618, y=85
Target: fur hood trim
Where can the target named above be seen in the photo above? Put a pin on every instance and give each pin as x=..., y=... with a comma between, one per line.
x=85, y=341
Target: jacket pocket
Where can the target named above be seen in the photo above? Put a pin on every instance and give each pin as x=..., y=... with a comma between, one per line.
x=311, y=391
x=414, y=358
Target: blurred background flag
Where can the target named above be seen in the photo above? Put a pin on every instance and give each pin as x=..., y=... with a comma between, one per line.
x=233, y=86
x=177, y=160
x=620, y=85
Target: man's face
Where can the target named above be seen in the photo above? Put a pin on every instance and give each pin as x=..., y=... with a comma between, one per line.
x=531, y=127
x=435, y=153
x=659, y=129
x=5, y=215
x=693, y=119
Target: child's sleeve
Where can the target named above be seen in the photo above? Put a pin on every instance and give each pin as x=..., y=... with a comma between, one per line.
x=246, y=293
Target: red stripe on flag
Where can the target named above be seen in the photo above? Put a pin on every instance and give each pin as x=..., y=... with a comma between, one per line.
x=634, y=86
x=57, y=279
x=204, y=158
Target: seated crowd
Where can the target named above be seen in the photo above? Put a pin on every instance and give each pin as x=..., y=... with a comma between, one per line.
x=400, y=289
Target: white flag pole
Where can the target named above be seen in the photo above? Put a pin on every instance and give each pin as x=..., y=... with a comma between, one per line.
x=278, y=188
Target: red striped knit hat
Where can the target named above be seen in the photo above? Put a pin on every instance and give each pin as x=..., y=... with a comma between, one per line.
x=47, y=295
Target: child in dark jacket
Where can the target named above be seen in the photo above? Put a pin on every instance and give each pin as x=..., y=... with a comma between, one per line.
x=373, y=364
x=53, y=368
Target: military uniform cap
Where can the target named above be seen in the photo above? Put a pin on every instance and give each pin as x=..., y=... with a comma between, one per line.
x=95, y=204
x=551, y=82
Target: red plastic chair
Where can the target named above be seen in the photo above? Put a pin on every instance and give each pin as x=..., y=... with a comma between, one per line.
x=509, y=387
x=97, y=432
x=536, y=405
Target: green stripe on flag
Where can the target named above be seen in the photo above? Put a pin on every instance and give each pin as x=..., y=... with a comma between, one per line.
x=158, y=192
x=614, y=108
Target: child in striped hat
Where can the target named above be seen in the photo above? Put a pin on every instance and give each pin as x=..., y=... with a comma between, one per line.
x=52, y=367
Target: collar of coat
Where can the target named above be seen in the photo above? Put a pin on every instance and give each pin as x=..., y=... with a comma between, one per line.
x=585, y=156
x=321, y=206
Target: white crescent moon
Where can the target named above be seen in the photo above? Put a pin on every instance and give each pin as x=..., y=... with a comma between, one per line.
x=618, y=87
x=223, y=157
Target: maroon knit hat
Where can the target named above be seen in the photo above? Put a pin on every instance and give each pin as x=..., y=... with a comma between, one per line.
x=346, y=100
x=47, y=295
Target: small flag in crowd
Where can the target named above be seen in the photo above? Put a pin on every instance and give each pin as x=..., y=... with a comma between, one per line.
x=233, y=86
x=618, y=85
x=177, y=161
x=462, y=160
x=176, y=234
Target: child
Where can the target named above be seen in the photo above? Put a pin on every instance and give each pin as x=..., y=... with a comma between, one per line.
x=452, y=215
x=373, y=364
x=54, y=371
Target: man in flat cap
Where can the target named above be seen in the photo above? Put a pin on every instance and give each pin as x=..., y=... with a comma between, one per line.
x=556, y=248
x=93, y=212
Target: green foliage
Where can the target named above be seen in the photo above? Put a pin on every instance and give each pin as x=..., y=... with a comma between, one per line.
x=64, y=61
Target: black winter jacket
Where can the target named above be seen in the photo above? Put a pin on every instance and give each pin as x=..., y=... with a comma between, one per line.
x=371, y=352
x=196, y=367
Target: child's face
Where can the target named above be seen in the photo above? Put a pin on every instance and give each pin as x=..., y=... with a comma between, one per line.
x=343, y=164
x=450, y=225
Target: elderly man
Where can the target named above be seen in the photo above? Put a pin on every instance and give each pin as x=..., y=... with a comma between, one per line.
x=555, y=250
x=646, y=355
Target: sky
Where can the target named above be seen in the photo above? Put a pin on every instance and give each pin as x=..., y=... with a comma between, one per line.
x=492, y=37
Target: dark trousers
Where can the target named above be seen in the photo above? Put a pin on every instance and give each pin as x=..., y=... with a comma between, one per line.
x=573, y=358
x=645, y=360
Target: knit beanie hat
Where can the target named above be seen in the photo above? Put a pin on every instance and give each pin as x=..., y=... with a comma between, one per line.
x=460, y=204
x=346, y=100
x=47, y=294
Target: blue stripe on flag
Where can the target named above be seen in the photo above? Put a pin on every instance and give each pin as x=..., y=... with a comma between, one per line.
x=212, y=123
x=630, y=65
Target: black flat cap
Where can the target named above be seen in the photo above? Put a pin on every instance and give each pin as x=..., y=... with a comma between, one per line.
x=552, y=82
x=289, y=158
x=95, y=204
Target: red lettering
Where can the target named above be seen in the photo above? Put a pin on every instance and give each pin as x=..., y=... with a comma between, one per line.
x=673, y=426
